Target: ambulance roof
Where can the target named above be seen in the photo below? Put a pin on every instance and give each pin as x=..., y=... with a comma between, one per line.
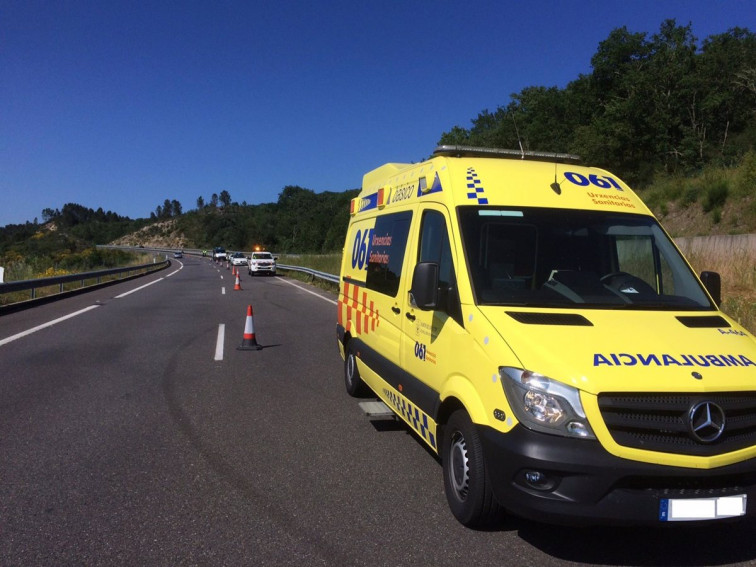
x=461, y=175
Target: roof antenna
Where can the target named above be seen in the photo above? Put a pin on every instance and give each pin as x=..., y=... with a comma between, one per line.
x=522, y=151
x=555, y=186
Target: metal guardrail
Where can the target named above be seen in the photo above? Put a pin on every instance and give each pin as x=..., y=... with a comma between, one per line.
x=60, y=281
x=315, y=273
x=198, y=252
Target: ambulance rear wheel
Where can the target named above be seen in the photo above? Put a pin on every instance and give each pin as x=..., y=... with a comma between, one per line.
x=468, y=490
x=355, y=387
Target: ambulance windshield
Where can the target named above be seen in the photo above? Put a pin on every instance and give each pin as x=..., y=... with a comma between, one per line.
x=569, y=258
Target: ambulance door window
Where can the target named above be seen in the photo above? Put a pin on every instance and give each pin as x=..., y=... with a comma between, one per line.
x=387, y=249
x=435, y=247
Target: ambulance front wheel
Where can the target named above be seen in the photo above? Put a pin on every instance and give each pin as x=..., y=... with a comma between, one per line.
x=355, y=387
x=467, y=487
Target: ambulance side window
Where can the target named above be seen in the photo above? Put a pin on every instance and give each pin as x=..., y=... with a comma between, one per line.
x=387, y=248
x=639, y=256
x=435, y=247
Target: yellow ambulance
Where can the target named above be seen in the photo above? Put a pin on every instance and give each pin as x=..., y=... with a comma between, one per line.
x=533, y=323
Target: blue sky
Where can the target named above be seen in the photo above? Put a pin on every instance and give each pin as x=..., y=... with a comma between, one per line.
x=123, y=104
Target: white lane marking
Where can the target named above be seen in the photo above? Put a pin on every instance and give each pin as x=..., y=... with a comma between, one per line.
x=328, y=299
x=139, y=288
x=74, y=314
x=46, y=325
x=174, y=272
x=223, y=290
x=219, y=342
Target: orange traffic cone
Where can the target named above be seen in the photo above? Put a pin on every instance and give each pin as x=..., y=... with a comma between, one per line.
x=249, y=342
x=233, y=270
x=237, y=285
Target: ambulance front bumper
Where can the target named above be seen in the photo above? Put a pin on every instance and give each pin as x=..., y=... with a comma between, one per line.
x=576, y=482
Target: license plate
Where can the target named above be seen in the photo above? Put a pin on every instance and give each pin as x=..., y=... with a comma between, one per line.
x=694, y=509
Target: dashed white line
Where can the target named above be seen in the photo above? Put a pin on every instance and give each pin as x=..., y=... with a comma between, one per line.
x=219, y=342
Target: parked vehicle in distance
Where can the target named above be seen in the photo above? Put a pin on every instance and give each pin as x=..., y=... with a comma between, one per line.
x=219, y=253
x=262, y=263
x=238, y=259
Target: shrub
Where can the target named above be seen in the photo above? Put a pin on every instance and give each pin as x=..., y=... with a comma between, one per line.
x=744, y=183
x=716, y=215
x=715, y=196
x=690, y=196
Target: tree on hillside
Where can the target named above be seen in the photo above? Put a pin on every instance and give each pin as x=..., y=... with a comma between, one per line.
x=167, y=209
x=225, y=198
x=650, y=104
x=49, y=214
x=200, y=203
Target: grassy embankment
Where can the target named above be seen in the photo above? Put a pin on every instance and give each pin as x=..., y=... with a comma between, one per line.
x=737, y=266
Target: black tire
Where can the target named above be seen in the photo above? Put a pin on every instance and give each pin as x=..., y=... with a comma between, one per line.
x=355, y=387
x=468, y=489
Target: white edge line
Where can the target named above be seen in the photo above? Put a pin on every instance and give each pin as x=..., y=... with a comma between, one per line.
x=328, y=299
x=174, y=272
x=138, y=288
x=219, y=341
x=45, y=325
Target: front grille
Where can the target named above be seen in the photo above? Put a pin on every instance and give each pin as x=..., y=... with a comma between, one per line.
x=694, y=486
x=659, y=422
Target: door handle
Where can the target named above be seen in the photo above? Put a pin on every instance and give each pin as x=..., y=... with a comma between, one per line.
x=410, y=316
x=396, y=310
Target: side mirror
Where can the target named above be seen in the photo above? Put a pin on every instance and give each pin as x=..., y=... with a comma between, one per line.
x=424, y=291
x=713, y=284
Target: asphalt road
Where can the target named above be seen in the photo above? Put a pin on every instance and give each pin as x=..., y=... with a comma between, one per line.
x=131, y=434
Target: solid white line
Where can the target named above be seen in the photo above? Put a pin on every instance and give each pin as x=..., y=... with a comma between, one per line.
x=328, y=299
x=45, y=325
x=138, y=288
x=173, y=273
x=219, y=342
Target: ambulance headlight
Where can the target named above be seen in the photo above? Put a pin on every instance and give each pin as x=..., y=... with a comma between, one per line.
x=545, y=405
